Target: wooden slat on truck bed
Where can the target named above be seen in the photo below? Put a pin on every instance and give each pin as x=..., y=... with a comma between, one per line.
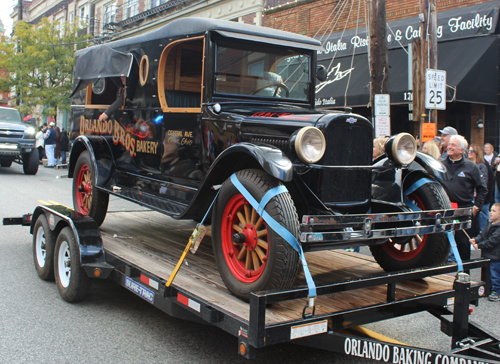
x=155, y=243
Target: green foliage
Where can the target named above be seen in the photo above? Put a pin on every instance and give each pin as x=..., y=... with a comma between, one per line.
x=38, y=60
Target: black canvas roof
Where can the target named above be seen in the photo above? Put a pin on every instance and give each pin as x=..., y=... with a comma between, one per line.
x=192, y=26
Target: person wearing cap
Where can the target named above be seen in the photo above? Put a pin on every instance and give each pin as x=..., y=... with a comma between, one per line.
x=50, y=145
x=446, y=133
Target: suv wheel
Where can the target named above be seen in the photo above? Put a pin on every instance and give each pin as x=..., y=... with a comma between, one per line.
x=257, y=258
x=30, y=162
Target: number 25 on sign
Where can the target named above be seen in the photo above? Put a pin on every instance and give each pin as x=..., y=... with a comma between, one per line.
x=435, y=89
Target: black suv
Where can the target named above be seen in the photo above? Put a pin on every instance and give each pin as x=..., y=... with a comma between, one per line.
x=225, y=112
x=17, y=141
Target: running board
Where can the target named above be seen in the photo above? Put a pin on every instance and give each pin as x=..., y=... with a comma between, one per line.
x=153, y=202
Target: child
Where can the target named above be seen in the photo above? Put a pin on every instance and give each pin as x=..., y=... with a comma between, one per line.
x=489, y=243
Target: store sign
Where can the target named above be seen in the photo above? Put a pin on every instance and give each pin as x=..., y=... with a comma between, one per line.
x=452, y=24
x=435, y=89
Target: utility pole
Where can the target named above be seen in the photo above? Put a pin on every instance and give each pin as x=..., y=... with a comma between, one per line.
x=379, y=56
x=427, y=58
x=20, y=10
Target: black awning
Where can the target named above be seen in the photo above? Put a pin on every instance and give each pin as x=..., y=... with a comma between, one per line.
x=470, y=65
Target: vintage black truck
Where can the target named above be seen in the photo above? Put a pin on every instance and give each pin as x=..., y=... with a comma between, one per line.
x=224, y=112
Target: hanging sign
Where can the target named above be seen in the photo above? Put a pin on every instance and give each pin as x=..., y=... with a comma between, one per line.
x=435, y=89
x=428, y=131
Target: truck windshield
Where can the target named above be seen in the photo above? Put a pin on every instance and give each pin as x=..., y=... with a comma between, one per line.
x=262, y=70
x=10, y=116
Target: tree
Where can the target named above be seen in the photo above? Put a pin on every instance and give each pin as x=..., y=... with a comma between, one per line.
x=39, y=59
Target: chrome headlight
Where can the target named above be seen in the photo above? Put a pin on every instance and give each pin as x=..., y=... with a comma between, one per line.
x=401, y=148
x=30, y=130
x=310, y=144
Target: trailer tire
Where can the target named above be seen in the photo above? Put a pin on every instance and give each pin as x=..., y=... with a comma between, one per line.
x=433, y=248
x=263, y=260
x=87, y=200
x=44, y=241
x=71, y=280
x=31, y=162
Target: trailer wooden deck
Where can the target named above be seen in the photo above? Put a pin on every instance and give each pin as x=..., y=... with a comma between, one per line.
x=155, y=242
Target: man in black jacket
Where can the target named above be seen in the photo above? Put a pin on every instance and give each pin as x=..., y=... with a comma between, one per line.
x=489, y=243
x=464, y=182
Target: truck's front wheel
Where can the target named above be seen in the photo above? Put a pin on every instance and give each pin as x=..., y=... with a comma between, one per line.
x=250, y=255
x=417, y=251
x=87, y=200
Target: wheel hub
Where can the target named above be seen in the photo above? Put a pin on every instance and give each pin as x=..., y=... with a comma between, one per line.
x=250, y=237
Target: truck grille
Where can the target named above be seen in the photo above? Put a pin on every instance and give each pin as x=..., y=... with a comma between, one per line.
x=348, y=144
x=9, y=133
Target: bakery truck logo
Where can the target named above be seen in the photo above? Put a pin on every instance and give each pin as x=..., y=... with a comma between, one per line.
x=131, y=140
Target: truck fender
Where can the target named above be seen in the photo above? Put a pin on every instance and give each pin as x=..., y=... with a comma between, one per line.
x=86, y=232
x=100, y=156
x=271, y=159
x=413, y=176
x=233, y=159
x=430, y=165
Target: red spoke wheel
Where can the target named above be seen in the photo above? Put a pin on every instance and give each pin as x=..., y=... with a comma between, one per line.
x=417, y=251
x=87, y=200
x=250, y=255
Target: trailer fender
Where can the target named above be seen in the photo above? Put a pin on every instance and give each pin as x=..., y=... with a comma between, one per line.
x=87, y=235
x=100, y=156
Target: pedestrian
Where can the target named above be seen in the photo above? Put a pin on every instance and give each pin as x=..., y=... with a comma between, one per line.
x=57, y=150
x=446, y=133
x=39, y=143
x=50, y=145
x=437, y=141
x=64, y=145
x=465, y=186
x=489, y=243
x=431, y=149
x=475, y=153
x=490, y=155
x=378, y=147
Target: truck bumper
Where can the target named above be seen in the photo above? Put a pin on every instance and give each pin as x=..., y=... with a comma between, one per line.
x=352, y=228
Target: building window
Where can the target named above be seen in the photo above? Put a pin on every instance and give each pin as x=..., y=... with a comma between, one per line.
x=71, y=18
x=110, y=14
x=83, y=14
x=131, y=9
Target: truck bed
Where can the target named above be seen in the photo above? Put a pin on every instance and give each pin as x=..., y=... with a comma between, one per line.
x=155, y=242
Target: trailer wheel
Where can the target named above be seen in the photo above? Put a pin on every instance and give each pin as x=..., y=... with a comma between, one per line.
x=72, y=281
x=31, y=162
x=417, y=251
x=249, y=254
x=87, y=200
x=44, y=241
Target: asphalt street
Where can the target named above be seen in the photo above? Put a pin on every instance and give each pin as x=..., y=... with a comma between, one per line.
x=114, y=326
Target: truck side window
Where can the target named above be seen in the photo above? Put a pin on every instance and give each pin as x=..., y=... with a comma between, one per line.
x=101, y=92
x=180, y=75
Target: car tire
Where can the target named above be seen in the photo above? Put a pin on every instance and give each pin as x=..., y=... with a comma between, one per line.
x=264, y=260
x=87, y=200
x=44, y=241
x=416, y=252
x=31, y=162
x=72, y=282
x=6, y=164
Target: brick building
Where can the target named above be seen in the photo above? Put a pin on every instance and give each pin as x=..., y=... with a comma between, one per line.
x=468, y=49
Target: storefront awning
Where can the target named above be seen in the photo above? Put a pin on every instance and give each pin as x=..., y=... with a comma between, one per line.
x=471, y=66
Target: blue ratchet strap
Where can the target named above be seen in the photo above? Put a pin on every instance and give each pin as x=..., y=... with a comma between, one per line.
x=454, y=248
x=280, y=230
x=451, y=238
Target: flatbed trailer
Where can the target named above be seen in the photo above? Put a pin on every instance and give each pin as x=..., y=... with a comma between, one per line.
x=140, y=249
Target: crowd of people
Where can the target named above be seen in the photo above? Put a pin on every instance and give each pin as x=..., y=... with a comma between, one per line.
x=474, y=177
x=52, y=143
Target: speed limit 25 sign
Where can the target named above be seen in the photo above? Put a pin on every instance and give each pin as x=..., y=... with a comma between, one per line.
x=435, y=89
